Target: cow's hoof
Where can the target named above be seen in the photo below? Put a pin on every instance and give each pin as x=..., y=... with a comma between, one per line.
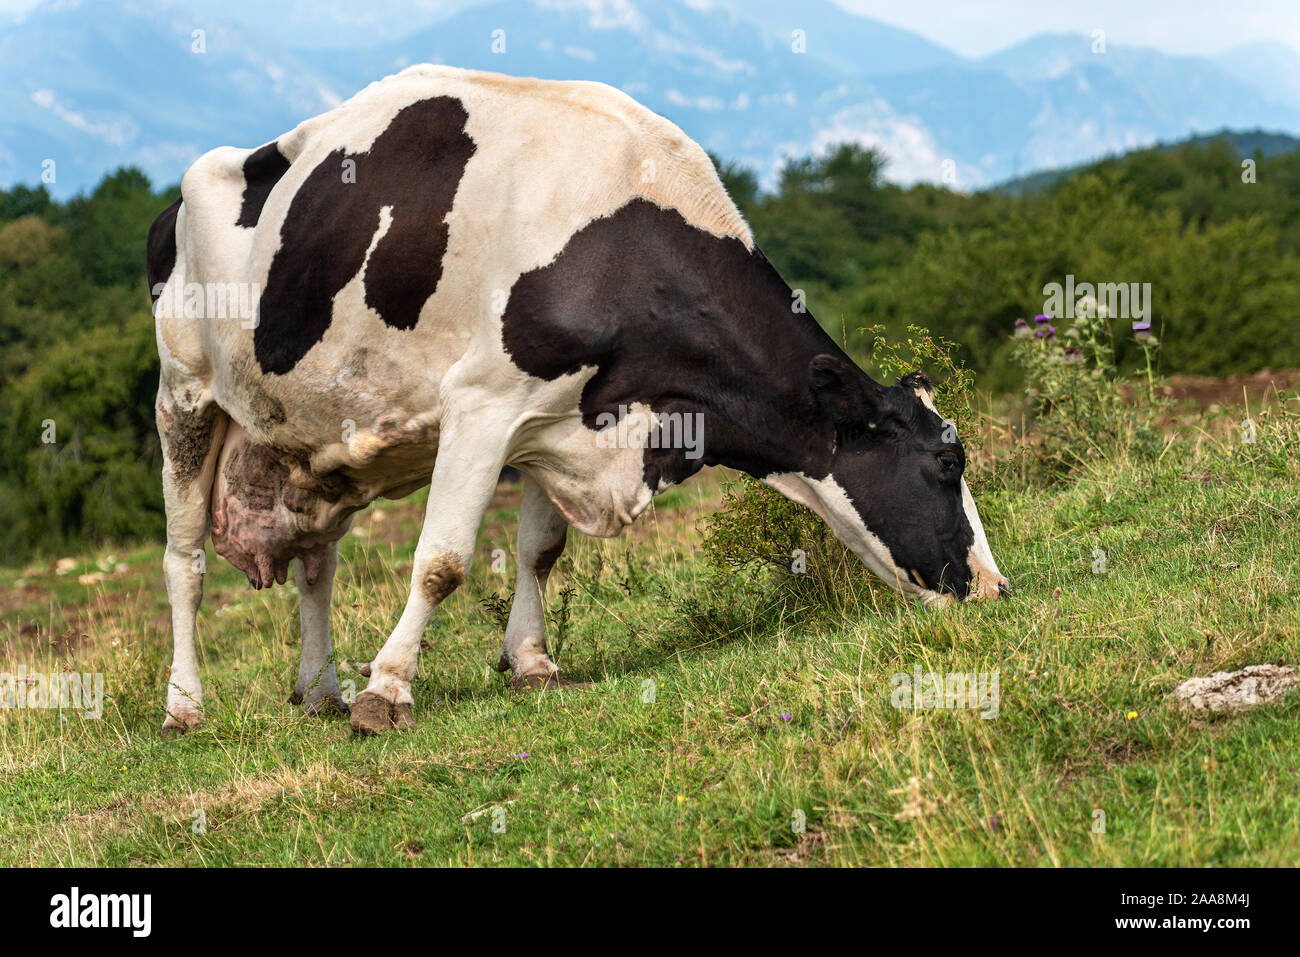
x=403, y=716
x=325, y=706
x=175, y=727
x=372, y=714
x=320, y=704
x=546, y=682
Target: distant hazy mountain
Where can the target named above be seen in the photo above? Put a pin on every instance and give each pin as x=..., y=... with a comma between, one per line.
x=1269, y=66
x=848, y=43
x=97, y=83
x=1246, y=143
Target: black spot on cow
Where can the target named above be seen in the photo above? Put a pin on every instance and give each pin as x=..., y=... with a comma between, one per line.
x=684, y=321
x=262, y=170
x=681, y=320
x=414, y=167
x=160, y=249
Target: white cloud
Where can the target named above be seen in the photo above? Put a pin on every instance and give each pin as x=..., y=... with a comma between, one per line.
x=710, y=104
x=913, y=154
x=113, y=130
x=601, y=14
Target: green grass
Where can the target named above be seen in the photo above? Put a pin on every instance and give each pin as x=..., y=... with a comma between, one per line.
x=1203, y=556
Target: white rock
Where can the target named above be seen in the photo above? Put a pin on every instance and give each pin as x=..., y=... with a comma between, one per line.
x=1237, y=690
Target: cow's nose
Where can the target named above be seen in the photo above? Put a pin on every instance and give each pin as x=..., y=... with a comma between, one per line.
x=988, y=587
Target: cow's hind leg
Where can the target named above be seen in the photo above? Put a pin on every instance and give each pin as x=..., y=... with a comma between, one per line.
x=542, y=533
x=191, y=427
x=464, y=478
x=317, y=689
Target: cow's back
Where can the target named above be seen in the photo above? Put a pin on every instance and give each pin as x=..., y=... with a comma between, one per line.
x=381, y=240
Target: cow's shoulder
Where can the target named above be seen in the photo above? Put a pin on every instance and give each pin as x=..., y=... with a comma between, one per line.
x=665, y=166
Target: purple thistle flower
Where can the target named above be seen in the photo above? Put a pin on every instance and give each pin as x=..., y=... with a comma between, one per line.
x=1073, y=354
x=1042, y=318
x=786, y=716
x=1047, y=333
x=1022, y=327
x=1142, y=329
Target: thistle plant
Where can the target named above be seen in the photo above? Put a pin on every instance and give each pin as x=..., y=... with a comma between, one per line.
x=1085, y=410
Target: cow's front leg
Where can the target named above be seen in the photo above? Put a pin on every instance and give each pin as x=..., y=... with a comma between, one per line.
x=464, y=478
x=542, y=533
x=191, y=433
x=317, y=689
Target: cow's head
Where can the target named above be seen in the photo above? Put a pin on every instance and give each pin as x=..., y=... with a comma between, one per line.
x=894, y=491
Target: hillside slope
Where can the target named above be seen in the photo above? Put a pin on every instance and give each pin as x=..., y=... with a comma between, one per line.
x=727, y=722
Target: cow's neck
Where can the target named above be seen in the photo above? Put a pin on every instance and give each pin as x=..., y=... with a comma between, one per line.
x=755, y=408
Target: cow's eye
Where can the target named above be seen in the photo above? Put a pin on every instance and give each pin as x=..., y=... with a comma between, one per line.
x=950, y=462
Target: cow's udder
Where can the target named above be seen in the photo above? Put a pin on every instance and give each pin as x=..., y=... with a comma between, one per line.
x=261, y=520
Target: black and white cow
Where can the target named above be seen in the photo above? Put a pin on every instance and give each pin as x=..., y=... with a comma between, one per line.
x=455, y=271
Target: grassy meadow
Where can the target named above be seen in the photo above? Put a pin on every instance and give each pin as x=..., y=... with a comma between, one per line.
x=731, y=719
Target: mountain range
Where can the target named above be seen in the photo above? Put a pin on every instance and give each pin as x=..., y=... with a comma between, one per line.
x=92, y=84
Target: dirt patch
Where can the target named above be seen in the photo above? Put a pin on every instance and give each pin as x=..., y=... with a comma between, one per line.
x=188, y=434
x=267, y=411
x=68, y=627
x=242, y=797
x=811, y=848
x=20, y=596
x=1103, y=756
x=1237, y=690
x=1204, y=391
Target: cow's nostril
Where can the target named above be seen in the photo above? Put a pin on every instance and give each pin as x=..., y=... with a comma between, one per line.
x=1004, y=588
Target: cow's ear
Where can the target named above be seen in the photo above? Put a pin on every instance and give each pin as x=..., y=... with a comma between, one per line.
x=844, y=394
x=917, y=380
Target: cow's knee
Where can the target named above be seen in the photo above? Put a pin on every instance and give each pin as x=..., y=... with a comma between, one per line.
x=439, y=576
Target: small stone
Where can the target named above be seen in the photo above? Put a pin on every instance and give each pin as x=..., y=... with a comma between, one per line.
x=1237, y=690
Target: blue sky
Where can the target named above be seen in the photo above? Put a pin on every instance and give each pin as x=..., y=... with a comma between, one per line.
x=976, y=27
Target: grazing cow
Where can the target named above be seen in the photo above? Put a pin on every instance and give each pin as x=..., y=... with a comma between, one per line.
x=455, y=271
